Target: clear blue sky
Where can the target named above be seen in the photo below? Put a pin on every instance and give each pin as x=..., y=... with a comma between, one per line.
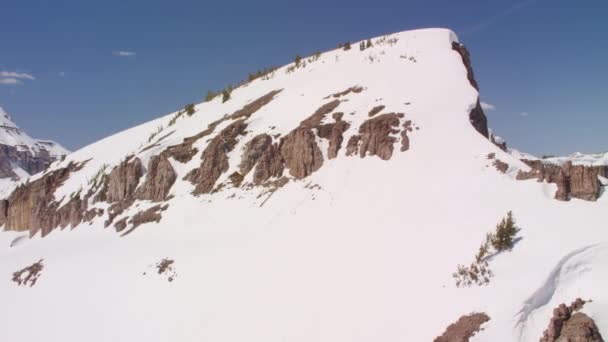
x=103, y=66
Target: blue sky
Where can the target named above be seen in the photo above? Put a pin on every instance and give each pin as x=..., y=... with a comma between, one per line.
x=76, y=71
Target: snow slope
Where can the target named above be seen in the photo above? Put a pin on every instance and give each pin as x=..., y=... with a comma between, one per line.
x=361, y=250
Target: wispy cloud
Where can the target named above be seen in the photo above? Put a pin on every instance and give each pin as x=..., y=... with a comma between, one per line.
x=487, y=106
x=121, y=53
x=9, y=80
x=12, y=77
x=524, y=114
x=482, y=25
x=61, y=74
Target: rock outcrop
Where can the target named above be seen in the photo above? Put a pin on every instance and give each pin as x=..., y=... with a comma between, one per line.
x=123, y=180
x=465, y=328
x=477, y=116
x=376, y=136
x=466, y=60
x=334, y=133
x=479, y=120
x=215, y=159
x=160, y=178
x=28, y=275
x=573, y=181
x=264, y=155
x=300, y=152
x=33, y=207
x=568, y=325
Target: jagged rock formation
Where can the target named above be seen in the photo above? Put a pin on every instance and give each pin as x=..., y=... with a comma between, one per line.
x=334, y=133
x=568, y=325
x=32, y=206
x=159, y=180
x=477, y=116
x=465, y=328
x=300, y=152
x=376, y=136
x=573, y=181
x=215, y=160
x=466, y=60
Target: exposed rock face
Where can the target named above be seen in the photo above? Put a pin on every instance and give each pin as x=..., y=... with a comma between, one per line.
x=269, y=165
x=32, y=207
x=254, y=149
x=29, y=275
x=405, y=140
x=353, y=145
x=251, y=108
x=466, y=60
x=300, y=152
x=465, y=328
x=568, y=325
x=477, y=116
x=315, y=119
x=333, y=132
x=355, y=90
x=376, y=136
x=123, y=180
x=152, y=214
x=215, y=160
x=573, y=181
x=499, y=143
x=479, y=120
x=184, y=151
x=264, y=155
x=375, y=110
x=159, y=179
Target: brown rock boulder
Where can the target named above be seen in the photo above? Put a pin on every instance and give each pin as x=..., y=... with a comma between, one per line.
x=300, y=152
x=465, y=328
x=567, y=325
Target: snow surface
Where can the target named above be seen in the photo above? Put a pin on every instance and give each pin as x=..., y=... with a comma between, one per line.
x=362, y=250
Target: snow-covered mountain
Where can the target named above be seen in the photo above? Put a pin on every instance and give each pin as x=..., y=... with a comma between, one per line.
x=332, y=200
x=22, y=156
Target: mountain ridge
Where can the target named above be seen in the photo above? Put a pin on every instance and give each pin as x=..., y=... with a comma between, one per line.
x=297, y=210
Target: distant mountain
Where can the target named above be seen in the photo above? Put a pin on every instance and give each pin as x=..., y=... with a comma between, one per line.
x=355, y=195
x=22, y=156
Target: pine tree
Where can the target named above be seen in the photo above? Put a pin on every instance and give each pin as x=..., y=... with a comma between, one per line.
x=362, y=46
x=346, y=46
x=298, y=59
x=510, y=230
x=369, y=43
x=225, y=95
x=317, y=54
x=189, y=108
x=210, y=95
x=505, y=234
